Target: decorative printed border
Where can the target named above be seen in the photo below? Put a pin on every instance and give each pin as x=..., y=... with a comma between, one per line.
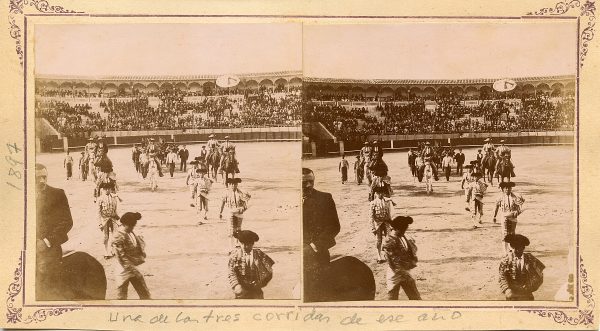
x=14, y=313
x=15, y=19
x=588, y=12
x=583, y=316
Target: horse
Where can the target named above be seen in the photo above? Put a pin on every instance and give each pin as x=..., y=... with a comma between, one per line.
x=344, y=278
x=504, y=169
x=489, y=167
x=213, y=161
x=229, y=165
x=420, y=164
x=428, y=175
x=84, y=164
x=360, y=171
x=367, y=171
x=92, y=166
x=80, y=277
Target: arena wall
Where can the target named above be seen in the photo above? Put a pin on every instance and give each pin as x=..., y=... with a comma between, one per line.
x=128, y=138
x=326, y=148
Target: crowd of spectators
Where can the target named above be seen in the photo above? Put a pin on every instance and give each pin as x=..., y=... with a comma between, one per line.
x=172, y=110
x=73, y=120
x=446, y=115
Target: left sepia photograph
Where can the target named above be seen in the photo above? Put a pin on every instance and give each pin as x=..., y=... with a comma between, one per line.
x=167, y=160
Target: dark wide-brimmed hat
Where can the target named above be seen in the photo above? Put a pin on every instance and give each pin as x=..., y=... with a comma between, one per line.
x=194, y=162
x=474, y=162
x=233, y=181
x=130, y=218
x=468, y=166
x=246, y=236
x=507, y=184
x=477, y=174
x=517, y=240
x=201, y=170
x=401, y=221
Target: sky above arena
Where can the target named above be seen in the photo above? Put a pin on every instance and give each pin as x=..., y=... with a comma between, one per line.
x=167, y=49
x=441, y=50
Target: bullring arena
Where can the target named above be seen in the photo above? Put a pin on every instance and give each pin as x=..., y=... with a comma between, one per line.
x=456, y=261
x=184, y=260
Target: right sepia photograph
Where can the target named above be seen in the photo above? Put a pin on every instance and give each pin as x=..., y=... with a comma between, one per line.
x=439, y=161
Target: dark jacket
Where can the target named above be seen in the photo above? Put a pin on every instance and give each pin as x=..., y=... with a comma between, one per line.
x=320, y=220
x=459, y=158
x=54, y=219
x=184, y=154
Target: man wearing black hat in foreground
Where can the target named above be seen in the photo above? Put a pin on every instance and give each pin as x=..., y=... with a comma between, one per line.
x=249, y=268
x=521, y=274
x=401, y=255
x=320, y=225
x=131, y=252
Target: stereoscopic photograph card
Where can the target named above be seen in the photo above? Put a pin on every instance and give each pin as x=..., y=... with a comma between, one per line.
x=356, y=165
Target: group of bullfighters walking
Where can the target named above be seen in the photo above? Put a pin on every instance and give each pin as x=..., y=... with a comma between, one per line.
x=249, y=269
x=520, y=274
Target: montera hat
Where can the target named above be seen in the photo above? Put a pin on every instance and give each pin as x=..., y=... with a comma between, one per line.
x=130, y=218
x=246, y=236
x=401, y=221
x=507, y=184
x=517, y=240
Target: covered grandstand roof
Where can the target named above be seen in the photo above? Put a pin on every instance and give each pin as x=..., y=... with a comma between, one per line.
x=429, y=81
x=168, y=78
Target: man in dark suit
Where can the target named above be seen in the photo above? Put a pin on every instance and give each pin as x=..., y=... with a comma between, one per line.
x=320, y=226
x=184, y=154
x=460, y=160
x=53, y=222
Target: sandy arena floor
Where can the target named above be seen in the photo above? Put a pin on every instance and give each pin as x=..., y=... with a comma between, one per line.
x=455, y=261
x=187, y=261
